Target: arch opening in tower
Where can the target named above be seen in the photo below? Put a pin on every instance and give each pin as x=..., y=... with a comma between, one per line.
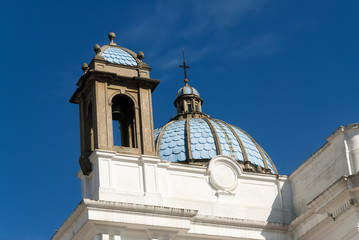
x=123, y=122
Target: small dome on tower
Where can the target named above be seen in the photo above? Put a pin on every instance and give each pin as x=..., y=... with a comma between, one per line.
x=118, y=60
x=119, y=56
x=187, y=90
x=113, y=53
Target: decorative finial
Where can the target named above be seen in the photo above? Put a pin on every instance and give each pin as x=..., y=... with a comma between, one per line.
x=140, y=55
x=112, y=36
x=85, y=67
x=184, y=66
x=97, y=49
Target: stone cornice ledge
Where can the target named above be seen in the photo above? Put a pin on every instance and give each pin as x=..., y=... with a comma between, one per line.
x=75, y=216
x=343, y=129
x=149, y=159
x=343, y=208
x=131, y=207
x=113, y=155
x=329, y=194
x=337, y=132
x=240, y=222
x=190, y=214
x=318, y=204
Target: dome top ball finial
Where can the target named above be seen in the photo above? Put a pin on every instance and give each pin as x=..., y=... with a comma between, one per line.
x=112, y=37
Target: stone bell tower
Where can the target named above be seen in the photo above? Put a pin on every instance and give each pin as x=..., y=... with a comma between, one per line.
x=114, y=96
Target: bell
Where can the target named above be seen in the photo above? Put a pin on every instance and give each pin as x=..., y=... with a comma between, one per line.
x=117, y=114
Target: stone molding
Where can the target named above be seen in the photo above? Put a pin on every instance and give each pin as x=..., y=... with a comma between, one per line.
x=81, y=216
x=245, y=223
x=324, y=203
x=141, y=208
x=342, y=208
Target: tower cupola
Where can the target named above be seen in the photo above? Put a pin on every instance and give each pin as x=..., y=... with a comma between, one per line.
x=114, y=95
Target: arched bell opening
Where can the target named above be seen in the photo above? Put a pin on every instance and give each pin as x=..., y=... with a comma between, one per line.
x=123, y=121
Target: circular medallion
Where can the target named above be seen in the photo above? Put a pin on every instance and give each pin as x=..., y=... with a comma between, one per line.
x=224, y=173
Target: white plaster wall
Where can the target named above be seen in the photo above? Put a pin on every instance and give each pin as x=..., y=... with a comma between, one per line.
x=319, y=172
x=148, y=180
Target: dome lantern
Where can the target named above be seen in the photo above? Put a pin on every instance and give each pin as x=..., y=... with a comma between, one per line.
x=188, y=101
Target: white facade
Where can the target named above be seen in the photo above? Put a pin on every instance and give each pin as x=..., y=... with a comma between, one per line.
x=144, y=197
x=131, y=193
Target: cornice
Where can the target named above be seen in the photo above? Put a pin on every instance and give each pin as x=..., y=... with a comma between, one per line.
x=190, y=214
x=141, y=208
x=324, y=202
x=342, y=129
x=75, y=215
x=238, y=222
x=329, y=139
x=103, y=76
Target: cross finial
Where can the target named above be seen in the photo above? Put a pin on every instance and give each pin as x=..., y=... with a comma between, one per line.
x=184, y=66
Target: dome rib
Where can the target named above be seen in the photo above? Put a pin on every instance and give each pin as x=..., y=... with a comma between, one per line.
x=228, y=140
x=159, y=138
x=244, y=152
x=215, y=136
x=260, y=150
x=188, y=140
x=271, y=162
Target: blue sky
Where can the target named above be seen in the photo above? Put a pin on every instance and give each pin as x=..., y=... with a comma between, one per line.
x=284, y=71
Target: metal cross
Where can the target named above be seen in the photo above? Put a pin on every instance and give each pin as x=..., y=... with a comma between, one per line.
x=184, y=66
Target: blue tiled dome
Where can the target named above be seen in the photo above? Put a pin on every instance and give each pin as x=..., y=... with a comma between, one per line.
x=118, y=56
x=200, y=139
x=186, y=90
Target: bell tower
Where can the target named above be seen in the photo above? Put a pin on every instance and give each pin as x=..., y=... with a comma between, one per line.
x=114, y=96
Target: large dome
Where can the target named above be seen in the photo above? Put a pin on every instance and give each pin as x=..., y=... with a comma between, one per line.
x=197, y=140
x=193, y=137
